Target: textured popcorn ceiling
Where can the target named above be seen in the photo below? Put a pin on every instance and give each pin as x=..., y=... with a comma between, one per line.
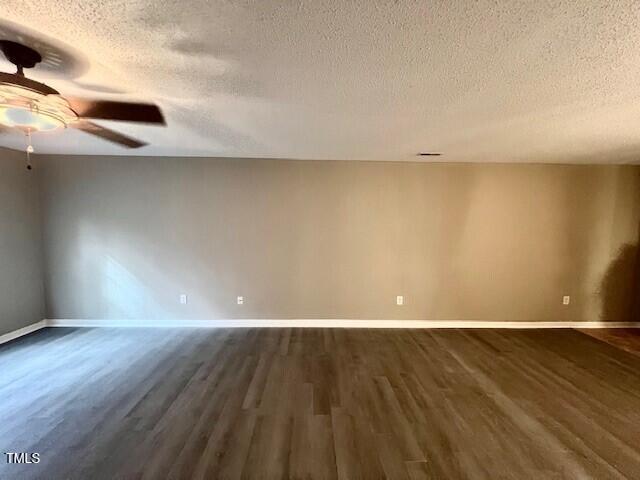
x=539, y=81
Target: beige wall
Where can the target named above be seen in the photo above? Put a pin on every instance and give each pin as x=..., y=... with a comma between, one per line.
x=21, y=291
x=308, y=239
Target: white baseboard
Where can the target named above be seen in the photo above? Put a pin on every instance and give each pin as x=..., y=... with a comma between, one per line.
x=304, y=323
x=330, y=323
x=7, y=337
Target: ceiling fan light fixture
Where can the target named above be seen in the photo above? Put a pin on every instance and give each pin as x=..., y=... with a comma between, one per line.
x=23, y=107
x=21, y=117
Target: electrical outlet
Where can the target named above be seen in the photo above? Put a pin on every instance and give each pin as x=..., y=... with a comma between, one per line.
x=566, y=300
x=240, y=300
x=399, y=300
x=183, y=298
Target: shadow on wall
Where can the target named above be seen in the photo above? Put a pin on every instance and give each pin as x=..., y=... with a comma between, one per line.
x=620, y=287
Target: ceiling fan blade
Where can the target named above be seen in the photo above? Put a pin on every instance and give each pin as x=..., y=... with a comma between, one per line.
x=107, y=134
x=124, y=111
x=15, y=79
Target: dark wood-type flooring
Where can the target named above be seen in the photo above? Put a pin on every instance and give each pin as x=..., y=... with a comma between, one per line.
x=319, y=403
x=627, y=339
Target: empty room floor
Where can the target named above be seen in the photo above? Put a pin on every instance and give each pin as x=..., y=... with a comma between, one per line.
x=319, y=403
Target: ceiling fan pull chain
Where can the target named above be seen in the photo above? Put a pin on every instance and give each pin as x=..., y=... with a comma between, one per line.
x=29, y=149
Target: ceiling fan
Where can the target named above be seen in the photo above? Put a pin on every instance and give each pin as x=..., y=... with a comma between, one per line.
x=34, y=106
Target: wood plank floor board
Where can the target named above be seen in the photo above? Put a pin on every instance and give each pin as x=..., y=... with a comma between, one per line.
x=319, y=403
x=312, y=448
x=226, y=447
x=569, y=421
x=628, y=339
x=57, y=402
x=466, y=423
x=220, y=437
x=592, y=405
x=132, y=428
x=175, y=435
x=587, y=415
x=353, y=445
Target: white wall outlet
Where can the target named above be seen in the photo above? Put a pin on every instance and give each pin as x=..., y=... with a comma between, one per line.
x=183, y=298
x=399, y=300
x=240, y=300
x=566, y=300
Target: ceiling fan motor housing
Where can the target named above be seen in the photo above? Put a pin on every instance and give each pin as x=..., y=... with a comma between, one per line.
x=20, y=55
